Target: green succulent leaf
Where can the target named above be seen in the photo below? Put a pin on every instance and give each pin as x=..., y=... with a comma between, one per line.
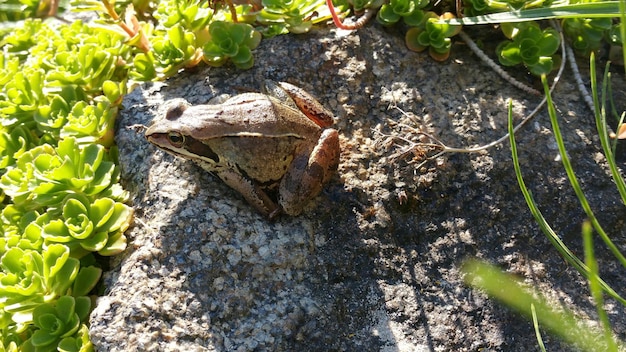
x=387, y=16
x=549, y=42
x=244, y=55
x=509, y=54
x=17, y=142
x=42, y=338
x=411, y=40
x=544, y=66
x=415, y=18
x=144, y=68
x=86, y=280
x=115, y=244
x=55, y=257
x=238, y=32
x=112, y=90
x=529, y=51
x=78, y=343
x=96, y=242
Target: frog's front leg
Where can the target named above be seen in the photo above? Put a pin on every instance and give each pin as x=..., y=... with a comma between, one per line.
x=308, y=172
x=250, y=191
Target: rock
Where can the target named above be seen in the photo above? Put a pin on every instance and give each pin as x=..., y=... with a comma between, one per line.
x=373, y=263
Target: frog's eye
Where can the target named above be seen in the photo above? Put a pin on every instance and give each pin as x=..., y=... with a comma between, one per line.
x=176, y=139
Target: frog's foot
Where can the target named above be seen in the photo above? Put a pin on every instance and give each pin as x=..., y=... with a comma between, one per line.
x=251, y=192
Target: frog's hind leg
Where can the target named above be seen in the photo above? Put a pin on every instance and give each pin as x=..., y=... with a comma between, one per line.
x=308, y=172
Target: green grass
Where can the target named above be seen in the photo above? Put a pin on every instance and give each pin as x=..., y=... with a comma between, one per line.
x=562, y=323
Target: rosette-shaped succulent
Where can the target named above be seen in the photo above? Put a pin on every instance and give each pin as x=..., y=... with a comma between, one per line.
x=234, y=41
x=22, y=279
x=15, y=143
x=586, y=34
x=29, y=278
x=44, y=175
x=409, y=10
x=57, y=321
x=91, y=123
x=434, y=35
x=176, y=50
x=531, y=46
x=87, y=226
x=19, y=230
x=295, y=16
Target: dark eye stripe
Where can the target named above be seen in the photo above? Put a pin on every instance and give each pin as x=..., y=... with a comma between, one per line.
x=198, y=148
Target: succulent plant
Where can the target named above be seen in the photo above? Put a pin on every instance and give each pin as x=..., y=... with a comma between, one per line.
x=19, y=230
x=175, y=50
x=60, y=87
x=86, y=226
x=408, y=10
x=193, y=16
x=434, y=35
x=234, y=41
x=78, y=343
x=290, y=16
x=91, y=123
x=530, y=46
x=586, y=34
x=30, y=278
x=58, y=323
x=16, y=141
x=44, y=175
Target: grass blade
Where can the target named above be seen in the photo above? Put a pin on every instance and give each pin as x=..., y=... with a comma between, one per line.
x=567, y=165
x=600, y=115
x=506, y=289
x=594, y=287
x=565, y=252
x=602, y=9
x=533, y=311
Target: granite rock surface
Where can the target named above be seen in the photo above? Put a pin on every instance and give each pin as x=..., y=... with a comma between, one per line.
x=374, y=262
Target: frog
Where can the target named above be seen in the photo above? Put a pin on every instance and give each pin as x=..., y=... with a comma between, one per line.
x=276, y=147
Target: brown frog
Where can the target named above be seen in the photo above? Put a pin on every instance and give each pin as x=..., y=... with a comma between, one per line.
x=275, y=148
